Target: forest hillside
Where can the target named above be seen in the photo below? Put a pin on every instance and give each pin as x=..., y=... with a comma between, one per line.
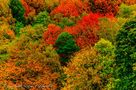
x=67, y=44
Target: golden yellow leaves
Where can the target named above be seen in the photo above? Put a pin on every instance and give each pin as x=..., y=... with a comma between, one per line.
x=82, y=71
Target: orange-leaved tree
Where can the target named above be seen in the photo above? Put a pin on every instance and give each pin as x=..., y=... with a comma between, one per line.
x=30, y=68
x=28, y=75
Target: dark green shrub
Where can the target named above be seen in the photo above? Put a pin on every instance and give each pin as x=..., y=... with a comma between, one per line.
x=18, y=26
x=66, y=46
x=17, y=10
x=125, y=53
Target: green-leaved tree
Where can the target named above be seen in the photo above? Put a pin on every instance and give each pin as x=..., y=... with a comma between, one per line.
x=17, y=10
x=126, y=57
x=65, y=46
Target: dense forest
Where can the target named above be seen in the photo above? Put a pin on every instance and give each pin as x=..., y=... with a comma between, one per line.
x=67, y=44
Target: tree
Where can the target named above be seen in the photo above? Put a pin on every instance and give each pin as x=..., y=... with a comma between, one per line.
x=6, y=34
x=65, y=46
x=105, y=47
x=38, y=5
x=129, y=2
x=85, y=31
x=26, y=7
x=108, y=28
x=4, y=8
x=50, y=36
x=42, y=18
x=126, y=11
x=91, y=68
x=71, y=8
x=50, y=5
x=106, y=58
x=31, y=64
x=65, y=21
x=125, y=56
x=27, y=74
x=18, y=10
x=82, y=71
x=17, y=28
x=105, y=6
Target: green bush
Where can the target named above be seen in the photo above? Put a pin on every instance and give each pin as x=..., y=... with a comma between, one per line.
x=106, y=58
x=66, y=46
x=125, y=56
x=104, y=47
x=66, y=22
x=42, y=18
x=18, y=26
x=126, y=11
x=17, y=10
x=35, y=32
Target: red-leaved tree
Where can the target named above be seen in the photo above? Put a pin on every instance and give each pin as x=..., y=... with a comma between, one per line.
x=85, y=31
x=52, y=33
x=26, y=7
x=71, y=7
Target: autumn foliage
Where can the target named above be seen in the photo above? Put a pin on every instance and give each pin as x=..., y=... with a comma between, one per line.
x=17, y=10
x=71, y=8
x=90, y=69
x=67, y=44
x=26, y=7
x=37, y=5
x=129, y=2
x=51, y=35
x=85, y=30
x=26, y=76
x=105, y=6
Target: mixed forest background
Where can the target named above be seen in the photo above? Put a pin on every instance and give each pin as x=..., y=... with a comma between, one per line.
x=67, y=44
